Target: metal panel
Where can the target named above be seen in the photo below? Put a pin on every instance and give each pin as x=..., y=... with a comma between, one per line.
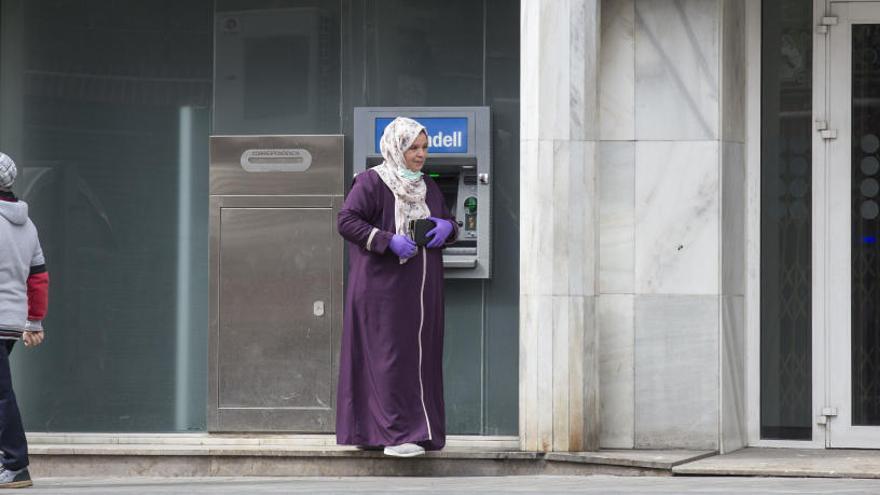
x=276, y=283
x=276, y=351
x=322, y=177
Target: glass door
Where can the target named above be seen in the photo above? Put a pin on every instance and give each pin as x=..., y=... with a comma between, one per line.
x=852, y=267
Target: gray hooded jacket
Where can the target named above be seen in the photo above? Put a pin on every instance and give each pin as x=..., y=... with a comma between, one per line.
x=19, y=251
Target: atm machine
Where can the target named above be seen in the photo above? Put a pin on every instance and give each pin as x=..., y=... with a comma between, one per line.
x=459, y=161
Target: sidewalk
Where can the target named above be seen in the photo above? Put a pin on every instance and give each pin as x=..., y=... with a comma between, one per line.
x=821, y=463
x=550, y=485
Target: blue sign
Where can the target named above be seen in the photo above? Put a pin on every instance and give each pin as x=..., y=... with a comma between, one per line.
x=445, y=134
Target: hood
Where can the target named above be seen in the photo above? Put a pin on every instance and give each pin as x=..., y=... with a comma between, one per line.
x=16, y=212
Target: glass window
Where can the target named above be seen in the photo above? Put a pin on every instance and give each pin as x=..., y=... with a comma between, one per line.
x=105, y=107
x=277, y=67
x=426, y=53
x=786, y=131
x=501, y=326
x=457, y=53
x=865, y=339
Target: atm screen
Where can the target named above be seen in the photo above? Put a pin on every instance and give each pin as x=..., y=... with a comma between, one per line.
x=449, y=187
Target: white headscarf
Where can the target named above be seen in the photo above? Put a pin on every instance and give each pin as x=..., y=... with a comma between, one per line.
x=409, y=193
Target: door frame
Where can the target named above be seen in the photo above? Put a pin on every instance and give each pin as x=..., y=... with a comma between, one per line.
x=753, y=232
x=823, y=298
x=838, y=282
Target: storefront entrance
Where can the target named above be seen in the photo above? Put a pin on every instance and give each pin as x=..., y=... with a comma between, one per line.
x=850, y=266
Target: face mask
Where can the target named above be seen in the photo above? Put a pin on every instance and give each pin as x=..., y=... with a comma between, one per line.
x=409, y=174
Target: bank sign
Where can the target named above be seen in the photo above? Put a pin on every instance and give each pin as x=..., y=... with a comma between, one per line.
x=445, y=134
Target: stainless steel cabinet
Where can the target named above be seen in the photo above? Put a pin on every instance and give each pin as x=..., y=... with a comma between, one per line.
x=276, y=300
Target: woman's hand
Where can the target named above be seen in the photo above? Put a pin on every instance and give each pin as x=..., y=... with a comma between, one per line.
x=439, y=233
x=403, y=246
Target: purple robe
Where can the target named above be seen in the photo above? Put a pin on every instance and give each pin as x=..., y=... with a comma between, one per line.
x=385, y=395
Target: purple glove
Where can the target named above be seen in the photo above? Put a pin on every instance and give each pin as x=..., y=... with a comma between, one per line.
x=440, y=233
x=403, y=246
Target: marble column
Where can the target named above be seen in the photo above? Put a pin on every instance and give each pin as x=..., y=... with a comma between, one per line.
x=671, y=224
x=559, y=408
x=733, y=434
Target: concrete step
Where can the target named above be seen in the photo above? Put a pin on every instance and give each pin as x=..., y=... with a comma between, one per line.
x=212, y=454
x=164, y=460
x=171, y=460
x=663, y=460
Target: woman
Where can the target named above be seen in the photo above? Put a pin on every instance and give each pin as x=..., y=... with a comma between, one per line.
x=391, y=365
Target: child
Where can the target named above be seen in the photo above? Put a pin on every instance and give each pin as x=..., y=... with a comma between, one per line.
x=24, y=288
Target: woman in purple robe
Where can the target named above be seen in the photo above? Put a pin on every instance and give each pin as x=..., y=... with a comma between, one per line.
x=391, y=364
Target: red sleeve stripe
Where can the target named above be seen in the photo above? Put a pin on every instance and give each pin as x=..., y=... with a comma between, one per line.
x=38, y=295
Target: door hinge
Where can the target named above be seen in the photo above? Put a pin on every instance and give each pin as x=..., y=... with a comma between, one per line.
x=827, y=413
x=825, y=24
x=824, y=131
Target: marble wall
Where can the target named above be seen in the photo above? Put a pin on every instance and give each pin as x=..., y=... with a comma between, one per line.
x=676, y=378
x=559, y=365
x=676, y=69
x=671, y=224
x=734, y=426
x=632, y=224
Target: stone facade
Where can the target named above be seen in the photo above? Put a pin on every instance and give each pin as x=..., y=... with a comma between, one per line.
x=632, y=229
x=558, y=226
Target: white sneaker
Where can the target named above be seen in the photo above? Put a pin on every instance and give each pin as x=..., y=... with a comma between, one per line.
x=404, y=450
x=15, y=479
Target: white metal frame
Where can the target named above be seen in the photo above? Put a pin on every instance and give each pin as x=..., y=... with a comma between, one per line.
x=753, y=232
x=820, y=205
x=831, y=309
x=838, y=282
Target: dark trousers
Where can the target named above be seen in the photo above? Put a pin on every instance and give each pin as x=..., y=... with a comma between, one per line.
x=13, y=443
